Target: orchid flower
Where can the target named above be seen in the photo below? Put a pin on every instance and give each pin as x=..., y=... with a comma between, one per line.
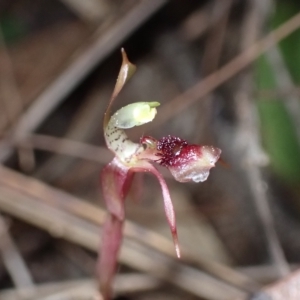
x=185, y=162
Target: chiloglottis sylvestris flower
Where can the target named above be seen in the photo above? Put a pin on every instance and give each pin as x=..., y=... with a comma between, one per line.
x=186, y=163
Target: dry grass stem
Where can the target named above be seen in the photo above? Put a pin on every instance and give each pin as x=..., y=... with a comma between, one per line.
x=12, y=102
x=61, y=223
x=87, y=212
x=80, y=150
x=83, y=289
x=201, y=20
x=89, y=10
x=284, y=82
x=65, y=82
x=215, y=40
x=12, y=259
x=241, y=61
x=249, y=142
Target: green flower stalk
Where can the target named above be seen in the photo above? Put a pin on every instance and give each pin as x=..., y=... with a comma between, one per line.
x=185, y=162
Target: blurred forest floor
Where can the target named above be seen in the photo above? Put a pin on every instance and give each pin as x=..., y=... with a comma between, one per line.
x=226, y=72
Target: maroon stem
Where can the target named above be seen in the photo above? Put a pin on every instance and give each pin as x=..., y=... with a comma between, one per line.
x=107, y=264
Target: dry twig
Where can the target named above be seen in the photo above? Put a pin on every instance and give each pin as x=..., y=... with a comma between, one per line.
x=248, y=140
x=13, y=260
x=59, y=213
x=83, y=289
x=285, y=83
x=241, y=61
x=12, y=102
x=64, y=83
x=89, y=10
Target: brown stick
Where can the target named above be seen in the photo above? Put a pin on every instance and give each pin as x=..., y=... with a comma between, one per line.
x=64, y=225
x=207, y=85
x=78, y=70
x=81, y=289
x=67, y=204
x=13, y=260
x=249, y=139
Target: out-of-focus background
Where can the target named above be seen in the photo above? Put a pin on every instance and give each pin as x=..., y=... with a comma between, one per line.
x=226, y=73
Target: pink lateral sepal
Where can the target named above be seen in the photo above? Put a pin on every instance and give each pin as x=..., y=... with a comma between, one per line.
x=115, y=179
x=145, y=166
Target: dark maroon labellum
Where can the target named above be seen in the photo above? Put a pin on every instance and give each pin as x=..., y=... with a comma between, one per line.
x=169, y=148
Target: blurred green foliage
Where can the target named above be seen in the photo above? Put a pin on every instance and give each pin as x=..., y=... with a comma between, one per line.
x=278, y=131
x=290, y=46
x=12, y=28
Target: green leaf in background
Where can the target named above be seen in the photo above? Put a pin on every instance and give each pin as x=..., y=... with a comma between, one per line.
x=278, y=132
x=290, y=46
x=12, y=28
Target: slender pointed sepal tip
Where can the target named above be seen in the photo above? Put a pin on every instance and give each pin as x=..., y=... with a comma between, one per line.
x=169, y=209
x=131, y=68
x=125, y=73
x=124, y=55
x=176, y=243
